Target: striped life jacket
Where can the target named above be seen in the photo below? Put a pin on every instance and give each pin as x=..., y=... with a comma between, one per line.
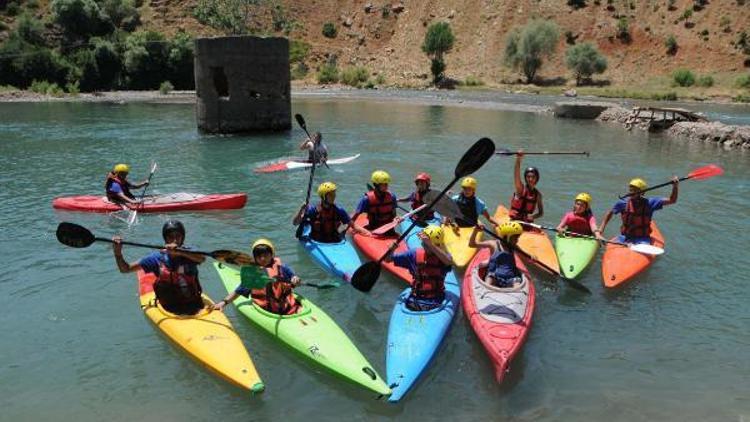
x=429, y=280
x=417, y=202
x=113, y=197
x=468, y=207
x=380, y=211
x=177, y=291
x=636, y=221
x=521, y=207
x=277, y=296
x=325, y=225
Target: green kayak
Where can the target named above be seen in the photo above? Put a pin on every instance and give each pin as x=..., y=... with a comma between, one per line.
x=311, y=332
x=574, y=254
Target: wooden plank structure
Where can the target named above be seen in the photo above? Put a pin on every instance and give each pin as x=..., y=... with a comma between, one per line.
x=660, y=118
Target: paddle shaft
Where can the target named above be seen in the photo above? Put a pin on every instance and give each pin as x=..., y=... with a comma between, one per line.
x=573, y=234
x=143, y=245
x=661, y=185
x=542, y=153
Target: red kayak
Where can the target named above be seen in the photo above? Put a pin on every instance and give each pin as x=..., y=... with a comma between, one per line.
x=620, y=264
x=156, y=203
x=500, y=317
x=375, y=246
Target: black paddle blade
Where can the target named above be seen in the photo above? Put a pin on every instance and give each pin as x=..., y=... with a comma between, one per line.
x=300, y=121
x=576, y=285
x=445, y=206
x=75, y=236
x=475, y=157
x=366, y=276
x=232, y=257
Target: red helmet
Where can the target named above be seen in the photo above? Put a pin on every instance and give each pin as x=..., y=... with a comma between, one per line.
x=425, y=177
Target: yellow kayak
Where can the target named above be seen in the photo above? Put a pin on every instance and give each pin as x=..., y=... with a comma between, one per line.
x=208, y=337
x=533, y=242
x=457, y=244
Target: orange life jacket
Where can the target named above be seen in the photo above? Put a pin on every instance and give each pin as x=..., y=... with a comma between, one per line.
x=277, y=296
x=429, y=280
x=325, y=225
x=380, y=211
x=177, y=291
x=521, y=207
x=636, y=222
x=111, y=178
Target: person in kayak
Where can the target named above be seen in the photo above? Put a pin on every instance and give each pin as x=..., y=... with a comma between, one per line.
x=177, y=287
x=526, y=198
x=326, y=217
x=379, y=204
x=501, y=268
x=117, y=186
x=581, y=219
x=277, y=296
x=428, y=265
x=470, y=205
x=637, y=211
x=422, y=182
x=317, y=151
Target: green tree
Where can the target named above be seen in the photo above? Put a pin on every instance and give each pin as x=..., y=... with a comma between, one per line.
x=230, y=16
x=146, y=59
x=585, y=60
x=30, y=29
x=122, y=13
x=437, y=42
x=180, y=61
x=526, y=46
x=81, y=18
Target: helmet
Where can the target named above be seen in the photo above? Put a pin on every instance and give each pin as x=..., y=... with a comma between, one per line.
x=531, y=170
x=435, y=233
x=510, y=228
x=170, y=226
x=379, y=177
x=469, y=182
x=325, y=188
x=638, y=183
x=121, y=168
x=425, y=177
x=585, y=197
x=264, y=242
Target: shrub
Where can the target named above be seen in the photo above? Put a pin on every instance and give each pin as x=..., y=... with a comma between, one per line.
x=328, y=74
x=743, y=81
x=3, y=26
x=180, y=61
x=46, y=88
x=665, y=96
x=742, y=98
x=577, y=4
x=380, y=79
x=473, y=81
x=705, y=81
x=569, y=38
x=687, y=14
x=438, y=41
x=526, y=46
x=122, y=13
x=623, y=29
x=165, y=88
x=72, y=88
x=21, y=63
x=228, y=16
x=329, y=30
x=585, y=60
x=670, y=5
x=81, y=18
x=12, y=9
x=108, y=63
x=298, y=51
x=299, y=71
x=743, y=43
x=145, y=59
x=32, y=4
x=30, y=29
x=683, y=77
x=354, y=76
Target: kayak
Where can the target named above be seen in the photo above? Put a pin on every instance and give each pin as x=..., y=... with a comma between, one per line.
x=414, y=338
x=532, y=241
x=457, y=244
x=300, y=163
x=501, y=318
x=575, y=254
x=339, y=259
x=208, y=337
x=412, y=240
x=620, y=264
x=311, y=333
x=374, y=247
x=181, y=201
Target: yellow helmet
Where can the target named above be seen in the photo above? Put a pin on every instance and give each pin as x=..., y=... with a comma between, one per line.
x=379, y=176
x=510, y=228
x=435, y=233
x=469, y=182
x=264, y=242
x=585, y=197
x=638, y=183
x=325, y=188
x=121, y=168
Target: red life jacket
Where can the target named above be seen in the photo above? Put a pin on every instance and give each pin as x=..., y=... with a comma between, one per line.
x=581, y=224
x=178, y=292
x=521, y=207
x=380, y=211
x=418, y=202
x=277, y=296
x=325, y=225
x=111, y=178
x=429, y=281
x=636, y=222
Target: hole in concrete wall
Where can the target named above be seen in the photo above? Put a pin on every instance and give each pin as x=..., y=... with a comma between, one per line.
x=221, y=84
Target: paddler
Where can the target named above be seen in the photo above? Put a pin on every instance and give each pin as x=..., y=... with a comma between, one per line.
x=526, y=198
x=317, y=151
x=379, y=204
x=580, y=219
x=422, y=182
x=428, y=266
x=177, y=287
x=117, y=186
x=277, y=296
x=636, y=212
x=501, y=268
x=470, y=205
x=326, y=217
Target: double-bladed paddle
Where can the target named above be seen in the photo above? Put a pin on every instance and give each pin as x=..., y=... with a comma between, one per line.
x=257, y=278
x=644, y=248
x=386, y=227
x=705, y=172
x=303, y=125
x=134, y=213
x=506, y=152
x=367, y=274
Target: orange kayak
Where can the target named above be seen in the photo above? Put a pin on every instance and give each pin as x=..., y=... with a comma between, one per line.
x=620, y=264
x=374, y=247
x=533, y=242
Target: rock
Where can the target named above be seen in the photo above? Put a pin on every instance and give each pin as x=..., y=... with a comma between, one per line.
x=361, y=39
x=570, y=93
x=397, y=8
x=451, y=14
x=369, y=7
x=580, y=110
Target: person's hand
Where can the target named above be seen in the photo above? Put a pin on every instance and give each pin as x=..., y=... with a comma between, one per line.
x=219, y=306
x=519, y=153
x=560, y=231
x=302, y=207
x=117, y=245
x=599, y=236
x=494, y=224
x=170, y=249
x=296, y=281
x=398, y=219
x=422, y=236
x=365, y=232
x=480, y=226
x=675, y=180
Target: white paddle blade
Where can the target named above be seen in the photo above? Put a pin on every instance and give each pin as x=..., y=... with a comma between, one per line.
x=645, y=248
x=132, y=218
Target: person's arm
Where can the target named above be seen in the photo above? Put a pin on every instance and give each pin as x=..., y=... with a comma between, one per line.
x=675, y=190
x=474, y=243
x=300, y=215
x=517, y=173
x=305, y=144
x=389, y=253
x=490, y=218
x=592, y=224
x=564, y=224
x=442, y=255
x=219, y=306
x=122, y=265
x=171, y=249
x=361, y=208
x=539, y=206
x=600, y=233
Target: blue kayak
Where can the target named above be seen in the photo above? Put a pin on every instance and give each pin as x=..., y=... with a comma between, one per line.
x=339, y=259
x=412, y=241
x=414, y=338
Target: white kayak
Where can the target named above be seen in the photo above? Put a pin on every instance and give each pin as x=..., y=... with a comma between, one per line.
x=299, y=163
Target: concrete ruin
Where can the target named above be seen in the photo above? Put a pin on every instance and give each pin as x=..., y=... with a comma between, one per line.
x=242, y=84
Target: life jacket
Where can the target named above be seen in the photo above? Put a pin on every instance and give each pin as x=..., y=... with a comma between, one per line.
x=380, y=211
x=636, y=222
x=277, y=296
x=318, y=153
x=581, y=223
x=521, y=207
x=177, y=291
x=429, y=280
x=468, y=207
x=417, y=202
x=111, y=178
x=325, y=225
x=502, y=266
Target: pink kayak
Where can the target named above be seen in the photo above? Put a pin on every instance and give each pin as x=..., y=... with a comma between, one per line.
x=156, y=203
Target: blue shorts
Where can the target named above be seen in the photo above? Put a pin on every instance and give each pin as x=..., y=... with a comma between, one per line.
x=623, y=239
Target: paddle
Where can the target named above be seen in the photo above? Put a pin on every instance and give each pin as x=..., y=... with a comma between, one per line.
x=507, y=152
x=134, y=213
x=643, y=248
x=385, y=228
x=77, y=236
x=705, y=172
x=303, y=125
x=257, y=278
x=367, y=274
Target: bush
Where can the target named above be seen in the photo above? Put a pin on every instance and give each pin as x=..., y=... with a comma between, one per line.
x=743, y=81
x=81, y=18
x=165, y=88
x=328, y=74
x=72, y=88
x=32, y=4
x=108, y=63
x=180, y=61
x=473, y=81
x=354, y=76
x=146, y=59
x=742, y=98
x=670, y=5
x=30, y=29
x=585, y=60
x=122, y=13
x=687, y=14
x=671, y=44
x=438, y=41
x=577, y=4
x=299, y=71
x=12, y=9
x=21, y=63
x=380, y=79
x=228, y=16
x=46, y=88
x=683, y=77
x=526, y=46
x=569, y=38
x=3, y=26
x=705, y=81
x=665, y=96
x=623, y=29
x=298, y=51
x=329, y=30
